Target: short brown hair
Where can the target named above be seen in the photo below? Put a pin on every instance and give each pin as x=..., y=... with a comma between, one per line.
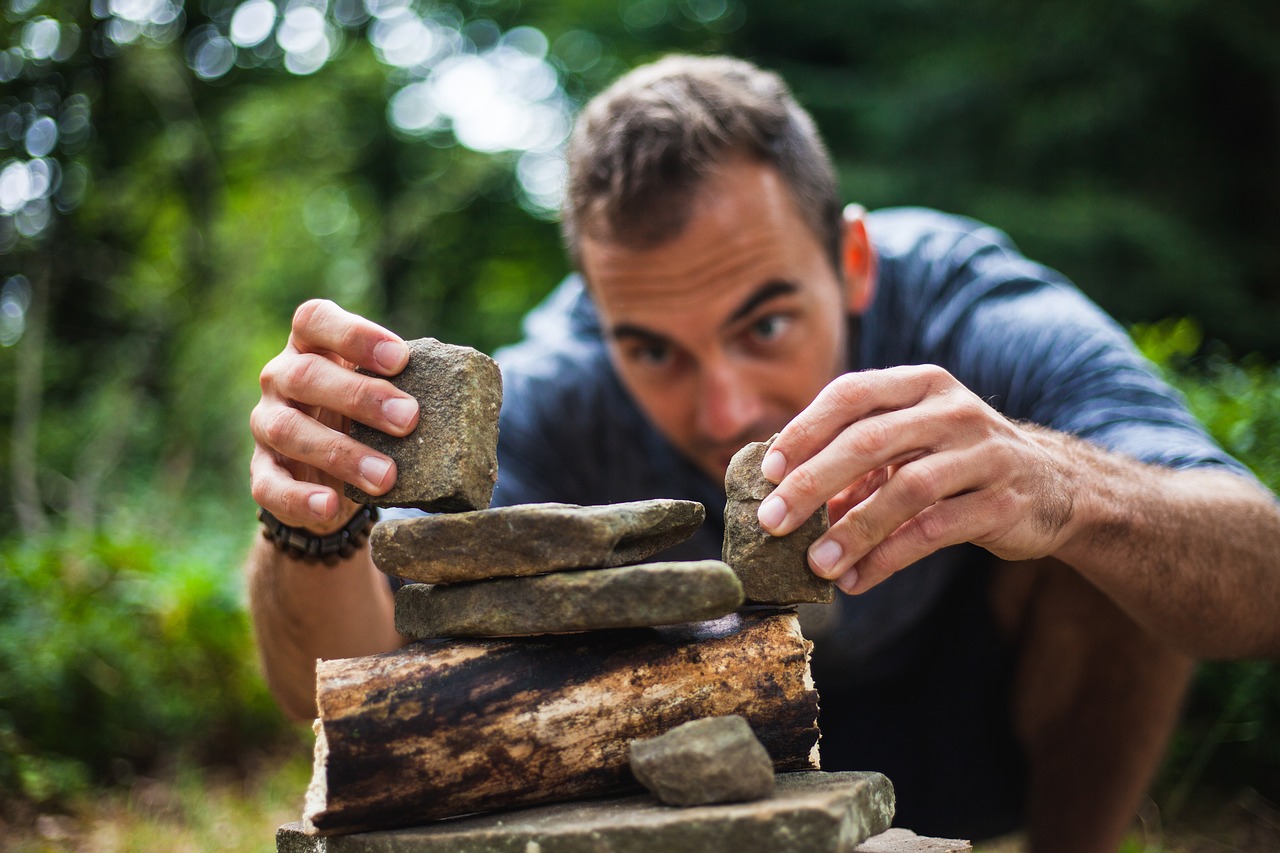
x=642, y=148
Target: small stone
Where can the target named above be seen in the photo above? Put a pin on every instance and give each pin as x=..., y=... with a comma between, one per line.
x=586, y=600
x=773, y=569
x=712, y=760
x=449, y=462
x=898, y=840
x=530, y=539
x=808, y=811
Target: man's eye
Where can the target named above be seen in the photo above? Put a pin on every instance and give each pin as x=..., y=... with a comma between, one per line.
x=651, y=355
x=770, y=327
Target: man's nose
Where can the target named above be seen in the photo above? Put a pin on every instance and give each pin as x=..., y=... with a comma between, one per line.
x=728, y=404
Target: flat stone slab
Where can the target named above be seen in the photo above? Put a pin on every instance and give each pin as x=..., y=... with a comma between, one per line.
x=449, y=462
x=899, y=840
x=812, y=811
x=712, y=760
x=531, y=539
x=773, y=569
x=586, y=600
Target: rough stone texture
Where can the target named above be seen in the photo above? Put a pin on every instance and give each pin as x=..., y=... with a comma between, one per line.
x=450, y=460
x=712, y=760
x=773, y=569
x=531, y=539
x=811, y=811
x=442, y=729
x=905, y=841
x=592, y=599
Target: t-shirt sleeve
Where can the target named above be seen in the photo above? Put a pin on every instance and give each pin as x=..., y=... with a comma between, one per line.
x=1033, y=346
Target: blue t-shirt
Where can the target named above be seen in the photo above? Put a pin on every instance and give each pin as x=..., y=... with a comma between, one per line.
x=951, y=292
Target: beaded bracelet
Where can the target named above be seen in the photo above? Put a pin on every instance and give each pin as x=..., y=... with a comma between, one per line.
x=300, y=544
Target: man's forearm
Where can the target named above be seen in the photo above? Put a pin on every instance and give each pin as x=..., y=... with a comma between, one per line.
x=302, y=612
x=1194, y=555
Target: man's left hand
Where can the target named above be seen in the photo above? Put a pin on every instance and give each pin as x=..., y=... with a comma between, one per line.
x=911, y=461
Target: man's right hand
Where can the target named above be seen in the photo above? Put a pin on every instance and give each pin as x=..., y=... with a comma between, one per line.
x=310, y=393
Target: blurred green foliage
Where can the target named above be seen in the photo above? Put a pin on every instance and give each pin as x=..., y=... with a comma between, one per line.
x=1134, y=145
x=121, y=650
x=1230, y=736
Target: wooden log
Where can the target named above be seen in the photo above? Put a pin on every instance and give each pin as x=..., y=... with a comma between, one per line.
x=440, y=729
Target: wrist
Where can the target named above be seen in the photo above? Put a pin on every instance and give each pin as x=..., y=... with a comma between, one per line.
x=1093, y=483
x=304, y=545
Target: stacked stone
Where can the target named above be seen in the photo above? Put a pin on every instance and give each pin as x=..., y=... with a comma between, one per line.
x=550, y=569
x=520, y=570
x=556, y=568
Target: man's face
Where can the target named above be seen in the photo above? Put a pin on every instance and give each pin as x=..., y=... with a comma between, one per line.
x=726, y=332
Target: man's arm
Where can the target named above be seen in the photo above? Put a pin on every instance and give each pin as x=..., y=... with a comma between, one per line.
x=302, y=455
x=1192, y=555
x=304, y=612
x=911, y=461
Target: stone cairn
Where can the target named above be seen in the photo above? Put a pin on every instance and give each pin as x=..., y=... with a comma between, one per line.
x=555, y=664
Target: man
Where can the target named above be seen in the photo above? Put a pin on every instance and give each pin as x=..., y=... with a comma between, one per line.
x=1072, y=534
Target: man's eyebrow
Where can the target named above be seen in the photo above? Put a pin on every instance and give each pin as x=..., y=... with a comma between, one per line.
x=629, y=330
x=768, y=290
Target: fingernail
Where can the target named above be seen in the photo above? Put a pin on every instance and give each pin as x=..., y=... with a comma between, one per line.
x=374, y=469
x=825, y=555
x=391, y=355
x=318, y=503
x=773, y=466
x=771, y=513
x=400, y=411
x=848, y=581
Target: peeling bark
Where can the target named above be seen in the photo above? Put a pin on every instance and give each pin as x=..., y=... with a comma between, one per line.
x=436, y=730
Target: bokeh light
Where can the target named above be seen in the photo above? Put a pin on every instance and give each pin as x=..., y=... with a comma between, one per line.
x=252, y=22
x=454, y=80
x=209, y=53
x=504, y=97
x=15, y=301
x=40, y=38
x=41, y=136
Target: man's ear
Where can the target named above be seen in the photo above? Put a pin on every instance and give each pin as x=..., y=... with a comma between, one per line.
x=859, y=260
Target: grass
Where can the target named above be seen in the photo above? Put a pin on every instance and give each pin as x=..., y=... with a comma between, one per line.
x=181, y=809
x=194, y=809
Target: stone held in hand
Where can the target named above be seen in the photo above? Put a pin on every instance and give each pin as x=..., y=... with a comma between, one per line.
x=586, y=600
x=449, y=462
x=530, y=539
x=712, y=760
x=773, y=569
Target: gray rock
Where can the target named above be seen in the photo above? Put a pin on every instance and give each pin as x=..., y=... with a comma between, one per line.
x=450, y=460
x=531, y=539
x=809, y=812
x=773, y=569
x=585, y=600
x=899, y=840
x=712, y=760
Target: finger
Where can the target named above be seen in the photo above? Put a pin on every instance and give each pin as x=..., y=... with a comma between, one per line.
x=847, y=399
x=856, y=493
x=297, y=436
x=949, y=522
x=875, y=442
x=912, y=489
x=309, y=379
x=296, y=503
x=320, y=326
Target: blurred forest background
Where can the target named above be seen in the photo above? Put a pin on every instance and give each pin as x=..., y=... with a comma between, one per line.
x=177, y=175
